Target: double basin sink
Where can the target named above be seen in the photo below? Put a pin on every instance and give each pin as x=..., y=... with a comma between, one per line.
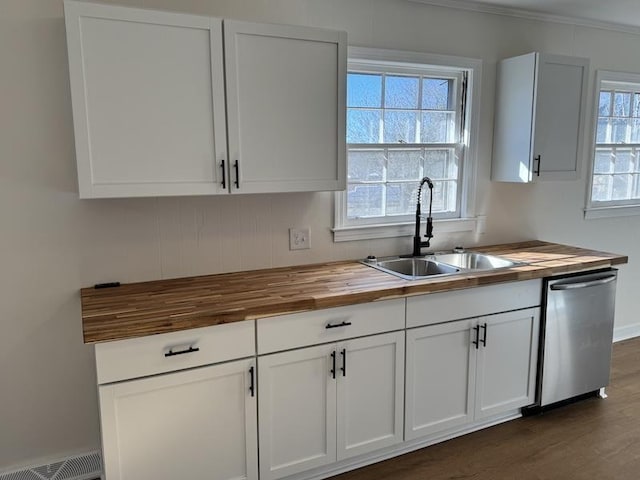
x=446, y=263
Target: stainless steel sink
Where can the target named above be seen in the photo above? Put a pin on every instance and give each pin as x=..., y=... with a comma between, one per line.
x=474, y=260
x=445, y=263
x=412, y=268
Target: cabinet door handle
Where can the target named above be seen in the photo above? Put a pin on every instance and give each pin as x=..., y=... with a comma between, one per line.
x=476, y=342
x=172, y=353
x=344, y=362
x=337, y=325
x=237, y=169
x=537, y=159
x=224, y=175
x=333, y=364
x=484, y=335
x=252, y=389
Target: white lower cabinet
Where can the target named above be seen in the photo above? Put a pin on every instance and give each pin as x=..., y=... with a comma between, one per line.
x=463, y=371
x=194, y=424
x=440, y=378
x=507, y=357
x=326, y=403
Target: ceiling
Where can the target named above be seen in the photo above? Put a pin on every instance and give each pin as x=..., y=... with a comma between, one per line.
x=614, y=14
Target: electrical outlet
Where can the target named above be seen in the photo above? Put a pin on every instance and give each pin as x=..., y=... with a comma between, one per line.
x=299, y=238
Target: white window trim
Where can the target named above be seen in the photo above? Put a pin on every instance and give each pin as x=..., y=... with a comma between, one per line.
x=468, y=221
x=622, y=208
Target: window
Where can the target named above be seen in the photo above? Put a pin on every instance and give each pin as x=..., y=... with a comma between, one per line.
x=408, y=116
x=615, y=180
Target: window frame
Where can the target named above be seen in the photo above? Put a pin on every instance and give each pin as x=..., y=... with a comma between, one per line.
x=402, y=62
x=609, y=208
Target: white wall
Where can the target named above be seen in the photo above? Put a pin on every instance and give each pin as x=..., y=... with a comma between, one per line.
x=52, y=243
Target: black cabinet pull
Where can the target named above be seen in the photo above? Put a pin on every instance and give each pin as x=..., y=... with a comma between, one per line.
x=171, y=353
x=333, y=364
x=537, y=159
x=252, y=384
x=224, y=175
x=337, y=325
x=484, y=335
x=344, y=362
x=476, y=341
x=237, y=169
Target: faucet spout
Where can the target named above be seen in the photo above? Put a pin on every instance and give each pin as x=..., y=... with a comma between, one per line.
x=417, y=242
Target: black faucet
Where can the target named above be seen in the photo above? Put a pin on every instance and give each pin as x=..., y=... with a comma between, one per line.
x=417, y=243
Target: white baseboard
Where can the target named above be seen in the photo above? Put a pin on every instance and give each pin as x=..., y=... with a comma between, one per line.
x=626, y=332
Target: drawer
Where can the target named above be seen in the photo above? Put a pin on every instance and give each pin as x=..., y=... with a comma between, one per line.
x=473, y=302
x=167, y=352
x=332, y=324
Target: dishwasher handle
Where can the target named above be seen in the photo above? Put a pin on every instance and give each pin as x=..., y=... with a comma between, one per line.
x=576, y=285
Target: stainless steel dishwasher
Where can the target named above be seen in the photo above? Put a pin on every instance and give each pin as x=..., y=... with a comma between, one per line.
x=577, y=335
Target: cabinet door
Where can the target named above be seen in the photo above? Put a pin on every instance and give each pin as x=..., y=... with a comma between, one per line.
x=539, y=117
x=560, y=99
x=196, y=424
x=507, y=358
x=370, y=394
x=440, y=378
x=148, y=101
x=286, y=107
x=297, y=405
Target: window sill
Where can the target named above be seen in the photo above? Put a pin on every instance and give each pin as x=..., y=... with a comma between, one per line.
x=368, y=232
x=611, y=211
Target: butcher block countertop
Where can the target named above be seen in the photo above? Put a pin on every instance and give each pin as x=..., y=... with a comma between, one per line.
x=161, y=306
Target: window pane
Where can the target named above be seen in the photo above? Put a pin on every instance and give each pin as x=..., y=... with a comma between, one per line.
x=366, y=166
x=435, y=93
x=621, y=104
x=604, y=107
x=618, y=130
x=603, y=135
x=363, y=126
x=604, y=160
x=364, y=201
x=435, y=163
x=404, y=165
x=635, y=130
x=364, y=90
x=400, y=126
x=622, y=161
x=401, y=92
x=621, y=184
x=601, y=187
x=436, y=127
x=636, y=105
x=401, y=198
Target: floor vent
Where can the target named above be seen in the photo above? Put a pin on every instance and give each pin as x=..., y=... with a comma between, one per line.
x=80, y=467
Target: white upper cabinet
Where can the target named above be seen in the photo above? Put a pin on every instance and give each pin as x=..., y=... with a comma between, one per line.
x=286, y=107
x=148, y=101
x=149, y=105
x=539, y=118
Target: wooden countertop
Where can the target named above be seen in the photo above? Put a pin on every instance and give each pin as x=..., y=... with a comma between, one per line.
x=161, y=306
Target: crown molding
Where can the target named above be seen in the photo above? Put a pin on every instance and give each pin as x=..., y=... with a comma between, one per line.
x=529, y=15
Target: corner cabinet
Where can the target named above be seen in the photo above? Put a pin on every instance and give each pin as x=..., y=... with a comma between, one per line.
x=539, y=118
x=151, y=116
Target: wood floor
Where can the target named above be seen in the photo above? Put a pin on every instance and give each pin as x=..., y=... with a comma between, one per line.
x=593, y=439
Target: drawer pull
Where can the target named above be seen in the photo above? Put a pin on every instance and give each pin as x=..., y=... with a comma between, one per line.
x=171, y=353
x=337, y=325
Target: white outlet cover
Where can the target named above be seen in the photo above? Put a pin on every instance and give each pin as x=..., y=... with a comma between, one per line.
x=299, y=239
